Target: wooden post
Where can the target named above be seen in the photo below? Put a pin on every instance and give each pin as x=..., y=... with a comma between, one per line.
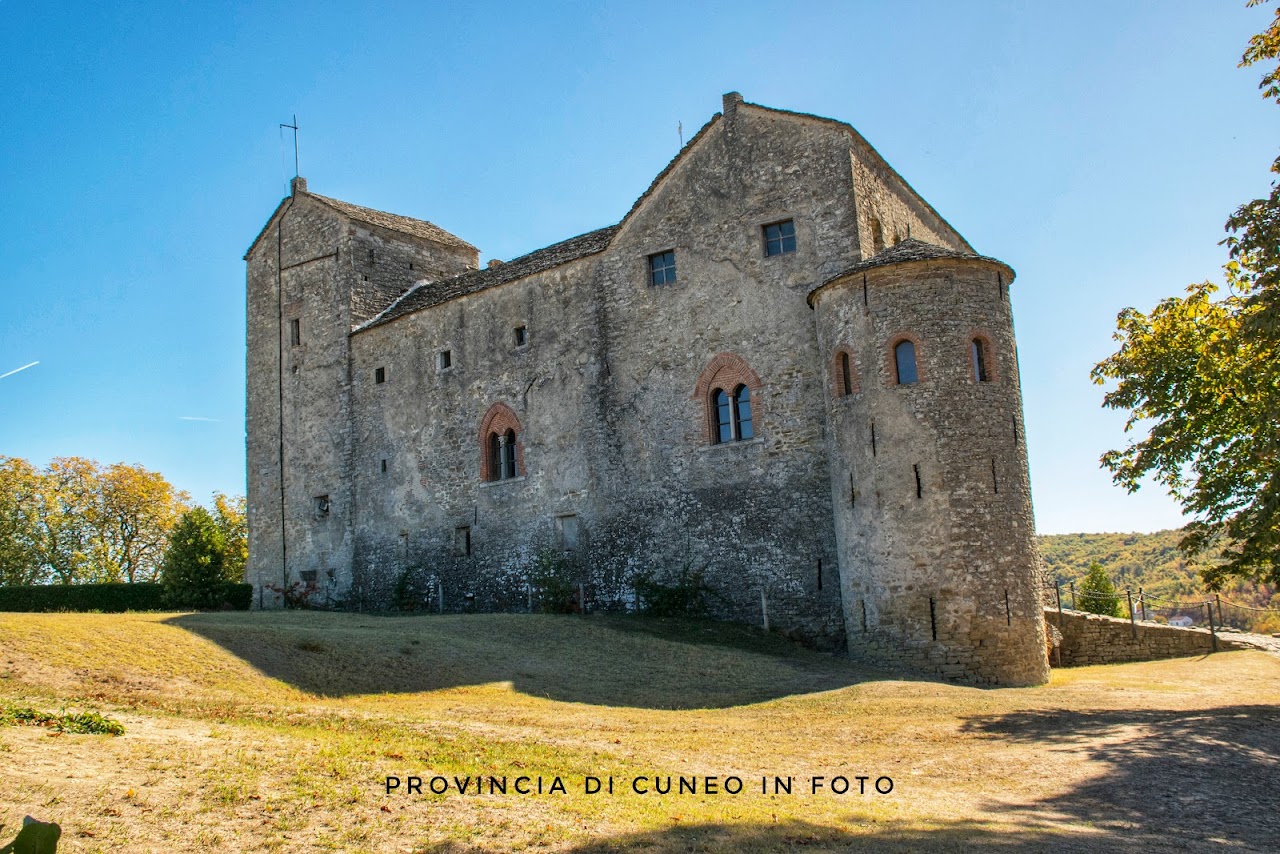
x=1213, y=634
x=1218, y=598
x=764, y=609
x=1133, y=626
x=1073, y=597
x=1142, y=603
x=1058, y=590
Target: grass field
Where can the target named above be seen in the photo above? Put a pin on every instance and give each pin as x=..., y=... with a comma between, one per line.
x=277, y=731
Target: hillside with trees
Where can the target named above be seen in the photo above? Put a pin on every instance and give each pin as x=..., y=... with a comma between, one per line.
x=1152, y=563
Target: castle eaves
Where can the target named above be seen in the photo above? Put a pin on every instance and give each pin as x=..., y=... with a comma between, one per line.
x=394, y=222
x=909, y=251
x=427, y=294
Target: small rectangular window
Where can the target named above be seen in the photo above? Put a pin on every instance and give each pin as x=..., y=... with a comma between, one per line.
x=446, y=360
x=321, y=505
x=522, y=336
x=568, y=529
x=295, y=332
x=462, y=540
x=383, y=466
x=780, y=238
x=379, y=375
x=662, y=268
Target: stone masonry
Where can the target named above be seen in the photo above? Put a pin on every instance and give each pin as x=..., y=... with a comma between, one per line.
x=421, y=427
x=1094, y=639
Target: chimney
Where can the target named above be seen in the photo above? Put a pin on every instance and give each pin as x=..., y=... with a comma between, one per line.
x=298, y=185
x=731, y=100
x=494, y=262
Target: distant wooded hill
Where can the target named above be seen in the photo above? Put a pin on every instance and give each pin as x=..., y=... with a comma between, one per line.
x=1152, y=562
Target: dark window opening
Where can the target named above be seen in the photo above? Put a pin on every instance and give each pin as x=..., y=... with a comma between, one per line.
x=846, y=374
x=410, y=265
x=383, y=466
x=919, y=486
x=873, y=438
x=308, y=576
x=503, y=464
x=979, y=361
x=446, y=359
x=877, y=236
x=904, y=354
x=322, y=505
x=662, y=268
x=522, y=336
x=371, y=257
x=295, y=332
x=819, y=573
x=379, y=375
x=742, y=411
x=995, y=484
x=780, y=238
x=724, y=416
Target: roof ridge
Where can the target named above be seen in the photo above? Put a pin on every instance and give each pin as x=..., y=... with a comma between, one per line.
x=393, y=221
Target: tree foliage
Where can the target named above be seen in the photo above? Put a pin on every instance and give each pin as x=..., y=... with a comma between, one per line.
x=232, y=519
x=193, y=571
x=1202, y=375
x=1097, y=594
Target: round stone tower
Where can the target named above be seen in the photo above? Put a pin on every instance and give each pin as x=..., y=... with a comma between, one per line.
x=932, y=498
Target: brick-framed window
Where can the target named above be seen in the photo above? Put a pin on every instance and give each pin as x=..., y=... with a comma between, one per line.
x=780, y=238
x=729, y=394
x=501, y=445
x=904, y=360
x=982, y=362
x=844, y=373
x=662, y=267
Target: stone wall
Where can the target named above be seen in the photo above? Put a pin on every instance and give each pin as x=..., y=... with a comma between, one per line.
x=1093, y=639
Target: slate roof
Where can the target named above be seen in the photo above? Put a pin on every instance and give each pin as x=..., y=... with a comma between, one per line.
x=425, y=294
x=395, y=222
x=908, y=251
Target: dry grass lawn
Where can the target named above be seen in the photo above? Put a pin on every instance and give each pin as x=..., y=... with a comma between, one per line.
x=276, y=731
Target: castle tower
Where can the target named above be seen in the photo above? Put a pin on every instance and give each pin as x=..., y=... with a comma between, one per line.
x=932, y=498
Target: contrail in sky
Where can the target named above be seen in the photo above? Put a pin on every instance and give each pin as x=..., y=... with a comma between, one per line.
x=195, y=418
x=15, y=370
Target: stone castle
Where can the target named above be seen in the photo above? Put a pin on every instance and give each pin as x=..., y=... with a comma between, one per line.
x=782, y=369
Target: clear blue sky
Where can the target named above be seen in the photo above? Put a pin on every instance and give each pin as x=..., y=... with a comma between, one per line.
x=1096, y=147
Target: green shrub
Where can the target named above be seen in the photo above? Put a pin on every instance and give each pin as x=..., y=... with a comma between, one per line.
x=113, y=598
x=88, y=723
x=685, y=596
x=192, y=569
x=556, y=577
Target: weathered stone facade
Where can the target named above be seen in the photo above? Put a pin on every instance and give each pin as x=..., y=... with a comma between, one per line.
x=388, y=379
x=1093, y=639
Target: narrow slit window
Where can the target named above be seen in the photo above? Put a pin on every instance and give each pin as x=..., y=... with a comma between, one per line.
x=979, y=361
x=919, y=485
x=295, y=332
x=382, y=466
x=379, y=375
x=522, y=335
x=662, y=268
x=846, y=375
x=445, y=360
x=904, y=354
x=780, y=238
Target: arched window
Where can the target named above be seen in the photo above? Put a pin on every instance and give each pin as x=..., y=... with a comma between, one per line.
x=979, y=348
x=726, y=392
x=501, y=455
x=742, y=413
x=904, y=355
x=724, y=416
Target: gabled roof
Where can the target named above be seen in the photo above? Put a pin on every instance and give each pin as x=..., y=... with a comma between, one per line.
x=395, y=222
x=425, y=294
x=909, y=251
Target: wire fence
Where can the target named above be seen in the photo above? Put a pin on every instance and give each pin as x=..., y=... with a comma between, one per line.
x=1214, y=612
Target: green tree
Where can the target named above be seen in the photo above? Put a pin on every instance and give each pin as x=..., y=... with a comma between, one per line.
x=232, y=520
x=193, y=570
x=1202, y=375
x=1097, y=594
x=21, y=488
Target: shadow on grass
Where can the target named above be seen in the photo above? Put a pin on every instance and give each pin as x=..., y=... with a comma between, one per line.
x=1175, y=780
x=612, y=661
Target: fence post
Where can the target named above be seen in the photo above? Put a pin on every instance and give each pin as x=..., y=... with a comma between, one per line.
x=1142, y=603
x=1057, y=589
x=1216, y=596
x=1073, y=584
x=1133, y=626
x=1213, y=634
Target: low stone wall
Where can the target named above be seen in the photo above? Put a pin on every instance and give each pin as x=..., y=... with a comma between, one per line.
x=1085, y=638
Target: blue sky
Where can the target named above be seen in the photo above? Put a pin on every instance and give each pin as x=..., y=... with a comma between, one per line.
x=1096, y=147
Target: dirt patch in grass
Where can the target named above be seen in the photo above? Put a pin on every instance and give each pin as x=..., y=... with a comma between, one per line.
x=278, y=731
